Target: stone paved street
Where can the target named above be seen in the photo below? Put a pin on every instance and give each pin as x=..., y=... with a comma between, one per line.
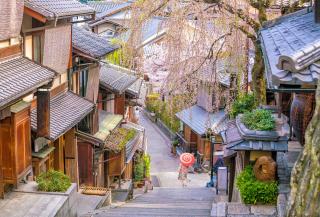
x=164, y=165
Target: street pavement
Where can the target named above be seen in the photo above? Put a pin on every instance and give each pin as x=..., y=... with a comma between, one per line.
x=164, y=166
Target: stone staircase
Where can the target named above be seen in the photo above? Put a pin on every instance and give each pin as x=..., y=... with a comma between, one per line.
x=164, y=202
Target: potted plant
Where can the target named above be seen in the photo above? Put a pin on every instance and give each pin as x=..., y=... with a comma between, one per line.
x=139, y=172
x=53, y=181
x=174, y=146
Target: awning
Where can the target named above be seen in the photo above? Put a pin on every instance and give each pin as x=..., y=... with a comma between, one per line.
x=200, y=121
x=137, y=143
x=116, y=78
x=20, y=76
x=66, y=111
x=107, y=123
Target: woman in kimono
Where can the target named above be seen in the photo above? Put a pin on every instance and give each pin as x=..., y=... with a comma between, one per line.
x=183, y=175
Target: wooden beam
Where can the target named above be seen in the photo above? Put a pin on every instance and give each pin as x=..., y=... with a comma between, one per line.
x=9, y=51
x=43, y=113
x=59, y=89
x=34, y=14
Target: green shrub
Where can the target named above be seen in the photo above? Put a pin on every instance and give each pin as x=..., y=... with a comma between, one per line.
x=53, y=181
x=147, y=164
x=259, y=119
x=164, y=112
x=243, y=103
x=175, y=143
x=253, y=191
x=138, y=168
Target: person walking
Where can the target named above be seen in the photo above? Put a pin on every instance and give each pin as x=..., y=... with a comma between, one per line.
x=183, y=175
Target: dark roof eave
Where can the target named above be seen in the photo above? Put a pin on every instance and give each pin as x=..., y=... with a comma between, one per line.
x=9, y=102
x=112, y=89
x=51, y=18
x=85, y=54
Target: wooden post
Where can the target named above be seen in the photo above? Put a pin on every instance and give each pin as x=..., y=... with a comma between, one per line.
x=43, y=112
x=71, y=156
x=119, y=104
x=317, y=11
x=58, y=154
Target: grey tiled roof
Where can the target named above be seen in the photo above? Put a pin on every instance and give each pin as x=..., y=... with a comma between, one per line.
x=19, y=76
x=284, y=3
x=134, y=89
x=235, y=141
x=66, y=111
x=90, y=43
x=291, y=48
x=199, y=120
x=152, y=29
x=104, y=8
x=59, y=8
x=116, y=78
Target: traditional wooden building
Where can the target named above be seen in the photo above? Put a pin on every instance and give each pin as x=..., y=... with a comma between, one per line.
x=89, y=51
x=292, y=70
x=114, y=82
x=101, y=158
x=56, y=113
x=111, y=17
x=199, y=123
x=198, y=128
x=244, y=146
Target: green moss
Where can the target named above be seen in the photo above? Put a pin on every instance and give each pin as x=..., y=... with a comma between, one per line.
x=253, y=191
x=243, y=103
x=259, y=119
x=53, y=181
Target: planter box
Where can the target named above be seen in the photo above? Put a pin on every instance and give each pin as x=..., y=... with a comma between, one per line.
x=67, y=207
x=248, y=134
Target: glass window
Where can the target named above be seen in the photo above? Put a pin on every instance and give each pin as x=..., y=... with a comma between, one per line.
x=83, y=82
x=37, y=48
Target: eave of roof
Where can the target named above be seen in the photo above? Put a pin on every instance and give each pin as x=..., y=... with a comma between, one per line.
x=236, y=142
x=19, y=76
x=107, y=123
x=201, y=121
x=290, y=46
x=116, y=78
x=59, y=9
x=90, y=43
x=66, y=111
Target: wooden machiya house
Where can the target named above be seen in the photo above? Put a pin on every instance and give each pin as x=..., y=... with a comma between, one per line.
x=103, y=153
x=89, y=52
x=35, y=107
x=19, y=77
x=199, y=124
x=117, y=86
x=292, y=68
x=56, y=111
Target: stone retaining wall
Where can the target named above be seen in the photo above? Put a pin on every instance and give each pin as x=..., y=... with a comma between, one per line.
x=223, y=209
x=165, y=129
x=171, y=135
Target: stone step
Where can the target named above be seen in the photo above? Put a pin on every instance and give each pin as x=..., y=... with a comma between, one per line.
x=155, y=212
x=165, y=202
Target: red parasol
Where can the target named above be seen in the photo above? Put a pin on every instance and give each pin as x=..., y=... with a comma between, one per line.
x=187, y=159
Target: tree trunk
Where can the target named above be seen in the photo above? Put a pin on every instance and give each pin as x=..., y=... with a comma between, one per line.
x=305, y=179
